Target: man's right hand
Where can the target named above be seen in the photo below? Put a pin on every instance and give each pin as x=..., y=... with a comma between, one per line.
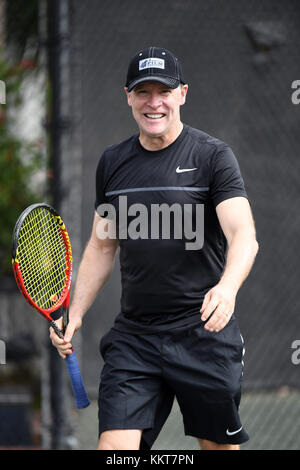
x=64, y=346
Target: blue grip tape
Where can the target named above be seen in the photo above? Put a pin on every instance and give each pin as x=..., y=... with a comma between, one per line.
x=81, y=397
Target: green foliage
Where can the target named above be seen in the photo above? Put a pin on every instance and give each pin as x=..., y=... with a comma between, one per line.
x=15, y=174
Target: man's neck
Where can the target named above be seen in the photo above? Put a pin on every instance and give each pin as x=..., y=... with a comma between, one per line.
x=159, y=142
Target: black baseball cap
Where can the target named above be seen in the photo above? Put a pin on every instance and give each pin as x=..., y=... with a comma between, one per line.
x=154, y=64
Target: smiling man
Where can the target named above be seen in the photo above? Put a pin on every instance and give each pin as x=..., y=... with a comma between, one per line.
x=156, y=109
x=176, y=333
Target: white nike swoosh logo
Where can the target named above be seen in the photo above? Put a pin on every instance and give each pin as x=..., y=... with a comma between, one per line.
x=233, y=432
x=178, y=170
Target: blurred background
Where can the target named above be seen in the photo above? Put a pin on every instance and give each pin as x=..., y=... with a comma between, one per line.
x=63, y=66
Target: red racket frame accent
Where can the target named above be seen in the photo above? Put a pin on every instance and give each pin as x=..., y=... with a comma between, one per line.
x=65, y=297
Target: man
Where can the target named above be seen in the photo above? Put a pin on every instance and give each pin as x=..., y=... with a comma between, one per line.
x=176, y=334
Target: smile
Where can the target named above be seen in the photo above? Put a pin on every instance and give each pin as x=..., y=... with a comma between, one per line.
x=154, y=116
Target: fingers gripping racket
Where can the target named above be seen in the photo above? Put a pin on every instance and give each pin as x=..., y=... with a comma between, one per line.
x=42, y=264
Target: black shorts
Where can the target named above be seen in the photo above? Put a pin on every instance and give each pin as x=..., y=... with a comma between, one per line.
x=143, y=373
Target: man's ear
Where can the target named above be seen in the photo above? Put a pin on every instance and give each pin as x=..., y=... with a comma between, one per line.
x=183, y=91
x=128, y=94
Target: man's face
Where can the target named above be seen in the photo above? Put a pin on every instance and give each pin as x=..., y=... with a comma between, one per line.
x=156, y=108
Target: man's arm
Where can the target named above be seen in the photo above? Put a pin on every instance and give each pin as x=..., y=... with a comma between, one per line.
x=95, y=268
x=237, y=223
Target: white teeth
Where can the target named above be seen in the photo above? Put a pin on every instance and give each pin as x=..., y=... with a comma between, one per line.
x=154, y=116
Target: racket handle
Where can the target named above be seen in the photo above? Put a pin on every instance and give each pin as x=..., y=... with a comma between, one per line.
x=81, y=397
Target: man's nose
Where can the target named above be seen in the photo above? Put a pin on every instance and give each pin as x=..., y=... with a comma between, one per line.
x=154, y=100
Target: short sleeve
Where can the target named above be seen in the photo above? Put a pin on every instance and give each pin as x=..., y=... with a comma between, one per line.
x=100, y=183
x=226, y=178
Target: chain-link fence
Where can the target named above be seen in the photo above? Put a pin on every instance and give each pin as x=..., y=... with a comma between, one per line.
x=35, y=134
x=241, y=61
x=22, y=181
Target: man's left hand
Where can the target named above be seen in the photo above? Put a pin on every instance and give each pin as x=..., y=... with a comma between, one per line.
x=218, y=305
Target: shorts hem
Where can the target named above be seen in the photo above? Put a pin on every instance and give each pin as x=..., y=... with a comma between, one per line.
x=123, y=426
x=234, y=441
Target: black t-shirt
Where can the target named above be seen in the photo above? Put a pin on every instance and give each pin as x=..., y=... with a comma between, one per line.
x=163, y=281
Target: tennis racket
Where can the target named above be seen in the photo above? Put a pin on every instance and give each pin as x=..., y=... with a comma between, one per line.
x=42, y=265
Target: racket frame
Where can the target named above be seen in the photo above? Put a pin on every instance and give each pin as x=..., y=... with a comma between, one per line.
x=65, y=296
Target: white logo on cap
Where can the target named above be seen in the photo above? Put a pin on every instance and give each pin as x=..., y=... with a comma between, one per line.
x=153, y=62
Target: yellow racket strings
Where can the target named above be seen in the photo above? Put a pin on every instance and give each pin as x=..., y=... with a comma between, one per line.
x=42, y=258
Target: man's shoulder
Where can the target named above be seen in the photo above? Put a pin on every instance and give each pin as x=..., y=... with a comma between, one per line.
x=206, y=141
x=121, y=147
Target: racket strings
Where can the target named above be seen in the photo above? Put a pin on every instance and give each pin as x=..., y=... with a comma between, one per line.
x=43, y=263
x=42, y=257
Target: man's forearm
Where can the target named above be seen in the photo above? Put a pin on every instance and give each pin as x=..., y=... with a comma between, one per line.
x=241, y=254
x=94, y=270
x=219, y=302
